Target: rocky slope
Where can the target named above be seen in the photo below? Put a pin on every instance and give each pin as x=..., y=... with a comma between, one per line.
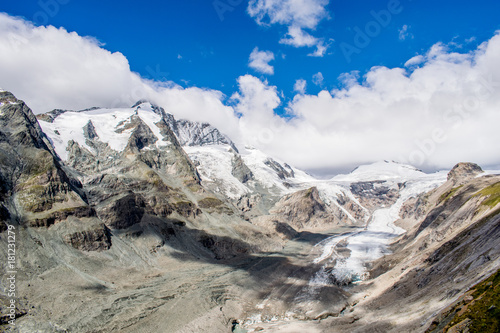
x=104, y=196
x=130, y=220
x=36, y=189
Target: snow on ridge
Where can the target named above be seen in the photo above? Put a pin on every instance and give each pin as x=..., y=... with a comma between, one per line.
x=383, y=170
x=263, y=173
x=69, y=126
x=488, y=172
x=215, y=165
x=147, y=113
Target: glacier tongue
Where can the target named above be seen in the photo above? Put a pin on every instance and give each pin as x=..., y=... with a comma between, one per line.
x=372, y=242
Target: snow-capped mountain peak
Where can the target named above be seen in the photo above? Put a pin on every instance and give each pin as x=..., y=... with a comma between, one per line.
x=115, y=126
x=382, y=170
x=111, y=126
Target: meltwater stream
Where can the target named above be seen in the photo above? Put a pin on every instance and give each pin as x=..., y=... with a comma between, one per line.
x=368, y=244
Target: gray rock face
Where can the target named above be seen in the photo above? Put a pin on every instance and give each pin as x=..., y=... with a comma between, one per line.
x=240, y=169
x=283, y=172
x=464, y=171
x=124, y=212
x=33, y=180
x=50, y=116
x=61, y=215
x=375, y=194
x=89, y=131
x=19, y=124
x=141, y=137
x=303, y=209
x=191, y=133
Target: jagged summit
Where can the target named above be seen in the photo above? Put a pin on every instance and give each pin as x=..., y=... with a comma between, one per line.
x=189, y=133
x=114, y=127
x=147, y=105
x=7, y=97
x=111, y=126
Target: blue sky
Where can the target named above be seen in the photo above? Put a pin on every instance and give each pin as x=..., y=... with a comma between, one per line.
x=188, y=43
x=324, y=85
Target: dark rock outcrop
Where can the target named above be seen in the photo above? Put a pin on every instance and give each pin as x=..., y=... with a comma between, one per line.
x=89, y=131
x=283, y=172
x=96, y=239
x=61, y=215
x=124, y=212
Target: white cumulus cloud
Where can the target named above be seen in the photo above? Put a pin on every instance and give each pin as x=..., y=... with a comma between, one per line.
x=300, y=86
x=318, y=79
x=52, y=68
x=259, y=61
x=416, y=60
x=297, y=15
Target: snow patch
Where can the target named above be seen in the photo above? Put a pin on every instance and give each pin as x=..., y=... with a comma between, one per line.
x=215, y=166
x=267, y=177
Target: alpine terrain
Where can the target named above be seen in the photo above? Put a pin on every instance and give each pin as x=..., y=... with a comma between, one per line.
x=130, y=220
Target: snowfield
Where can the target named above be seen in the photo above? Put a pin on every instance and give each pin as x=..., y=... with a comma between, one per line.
x=69, y=126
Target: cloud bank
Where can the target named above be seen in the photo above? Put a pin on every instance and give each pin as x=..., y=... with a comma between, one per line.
x=442, y=108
